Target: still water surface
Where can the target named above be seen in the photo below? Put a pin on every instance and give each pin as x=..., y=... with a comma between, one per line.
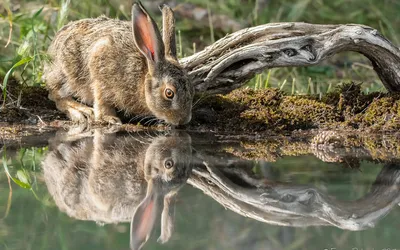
x=97, y=190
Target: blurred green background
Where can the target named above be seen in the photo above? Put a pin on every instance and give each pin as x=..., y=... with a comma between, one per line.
x=33, y=24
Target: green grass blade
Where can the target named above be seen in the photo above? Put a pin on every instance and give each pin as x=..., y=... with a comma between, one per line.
x=63, y=13
x=19, y=63
x=38, y=13
x=18, y=182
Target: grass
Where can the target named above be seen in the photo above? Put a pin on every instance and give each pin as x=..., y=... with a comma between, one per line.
x=26, y=31
x=21, y=167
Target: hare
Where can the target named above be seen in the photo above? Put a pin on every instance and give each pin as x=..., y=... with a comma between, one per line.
x=107, y=178
x=111, y=64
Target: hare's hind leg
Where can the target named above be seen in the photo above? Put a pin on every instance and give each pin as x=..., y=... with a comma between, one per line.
x=55, y=82
x=76, y=111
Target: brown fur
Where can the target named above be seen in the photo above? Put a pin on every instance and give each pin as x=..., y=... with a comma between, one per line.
x=97, y=62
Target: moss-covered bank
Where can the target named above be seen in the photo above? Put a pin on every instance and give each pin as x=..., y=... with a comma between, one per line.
x=251, y=110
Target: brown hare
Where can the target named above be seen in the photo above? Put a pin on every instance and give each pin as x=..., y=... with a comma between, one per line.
x=107, y=178
x=111, y=64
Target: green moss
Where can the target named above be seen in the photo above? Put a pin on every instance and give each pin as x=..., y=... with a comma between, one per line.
x=269, y=109
x=382, y=113
x=302, y=112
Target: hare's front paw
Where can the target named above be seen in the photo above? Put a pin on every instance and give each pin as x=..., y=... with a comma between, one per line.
x=109, y=119
x=104, y=113
x=81, y=113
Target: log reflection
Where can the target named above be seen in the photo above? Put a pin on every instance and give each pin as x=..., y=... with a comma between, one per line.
x=234, y=186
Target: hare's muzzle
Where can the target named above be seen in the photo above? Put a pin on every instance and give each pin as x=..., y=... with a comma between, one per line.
x=187, y=119
x=183, y=119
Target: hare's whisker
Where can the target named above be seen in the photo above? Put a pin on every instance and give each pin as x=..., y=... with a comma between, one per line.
x=198, y=100
x=147, y=122
x=136, y=139
x=150, y=122
x=134, y=118
x=144, y=118
x=148, y=134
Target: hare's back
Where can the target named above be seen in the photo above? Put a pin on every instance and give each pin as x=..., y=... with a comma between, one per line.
x=99, y=48
x=84, y=33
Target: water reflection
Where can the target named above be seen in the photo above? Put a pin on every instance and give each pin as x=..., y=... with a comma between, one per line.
x=108, y=177
x=235, y=186
x=111, y=177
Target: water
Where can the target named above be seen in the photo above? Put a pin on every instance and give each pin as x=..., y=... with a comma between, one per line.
x=81, y=190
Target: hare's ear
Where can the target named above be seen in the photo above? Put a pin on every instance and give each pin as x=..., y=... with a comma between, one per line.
x=169, y=31
x=167, y=218
x=146, y=35
x=143, y=219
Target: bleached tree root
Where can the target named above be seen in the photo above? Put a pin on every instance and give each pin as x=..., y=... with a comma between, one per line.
x=231, y=61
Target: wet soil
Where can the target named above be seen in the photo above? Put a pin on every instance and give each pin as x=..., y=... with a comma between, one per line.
x=28, y=105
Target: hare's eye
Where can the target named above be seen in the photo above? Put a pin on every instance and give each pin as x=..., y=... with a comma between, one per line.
x=169, y=93
x=168, y=164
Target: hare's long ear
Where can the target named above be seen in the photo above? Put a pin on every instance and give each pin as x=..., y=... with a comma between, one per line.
x=143, y=218
x=146, y=35
x=169, y=32
x=167, y=218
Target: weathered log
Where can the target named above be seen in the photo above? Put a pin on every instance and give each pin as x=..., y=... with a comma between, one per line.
x=231, y=61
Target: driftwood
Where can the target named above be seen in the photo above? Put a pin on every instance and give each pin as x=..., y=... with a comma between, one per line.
x=295, y=205
x=231, y=61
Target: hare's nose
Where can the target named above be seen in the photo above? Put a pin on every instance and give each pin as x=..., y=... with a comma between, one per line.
x=186, y=119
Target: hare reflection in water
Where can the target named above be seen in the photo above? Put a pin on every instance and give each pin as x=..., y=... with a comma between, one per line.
x=106, y=178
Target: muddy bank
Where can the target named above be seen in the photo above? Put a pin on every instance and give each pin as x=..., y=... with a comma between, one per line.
x=28, y=105
x=242, y=111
